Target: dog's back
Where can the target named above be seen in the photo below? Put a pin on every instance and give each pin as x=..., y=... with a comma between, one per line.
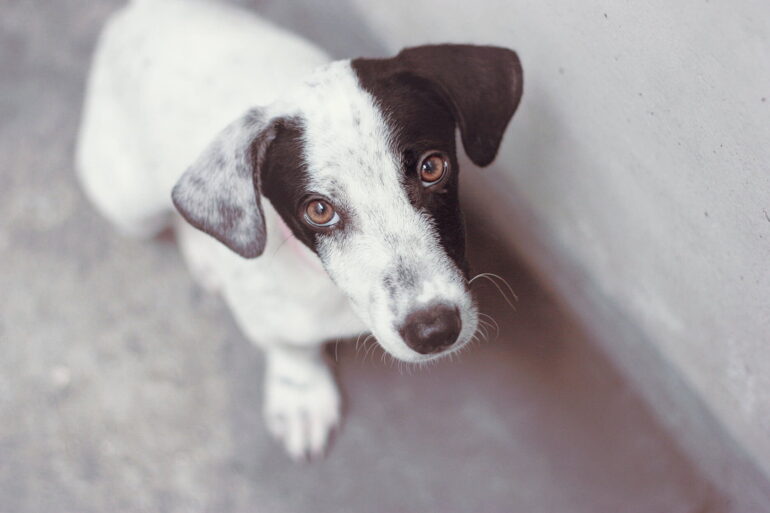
x=167, y=76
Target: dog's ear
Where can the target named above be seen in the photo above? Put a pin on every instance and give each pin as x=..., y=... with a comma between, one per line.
x=482, y=85
x=220, y=192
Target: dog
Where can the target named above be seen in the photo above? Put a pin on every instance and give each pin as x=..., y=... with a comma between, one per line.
x=318, y=197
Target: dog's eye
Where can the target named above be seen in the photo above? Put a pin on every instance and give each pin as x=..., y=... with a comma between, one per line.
x=433, y=167
x=320, y=213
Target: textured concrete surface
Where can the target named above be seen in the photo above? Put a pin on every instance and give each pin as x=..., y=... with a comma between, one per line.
x=124, y=388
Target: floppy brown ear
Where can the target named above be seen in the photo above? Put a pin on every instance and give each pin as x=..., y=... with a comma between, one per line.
x=220, y=192
x=482, y=85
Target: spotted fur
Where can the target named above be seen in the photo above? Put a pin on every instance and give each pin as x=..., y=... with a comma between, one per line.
x=295, y=125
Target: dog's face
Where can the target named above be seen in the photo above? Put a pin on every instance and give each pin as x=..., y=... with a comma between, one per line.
x=370, y=185
x=360, y=162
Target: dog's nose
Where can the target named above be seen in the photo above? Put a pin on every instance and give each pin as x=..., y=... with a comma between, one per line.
x=432, y=328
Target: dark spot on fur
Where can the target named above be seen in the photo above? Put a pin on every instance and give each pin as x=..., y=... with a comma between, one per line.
x=397, y=282
x=334, y=187
x=389, y=284
x=219, y=161
x=392, y=289
x=285, y=177
x=406, y=276
x=197, y=182
x=389, y=239
x=230, y=215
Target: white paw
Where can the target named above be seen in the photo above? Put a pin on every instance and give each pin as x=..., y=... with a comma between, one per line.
x=301, y=410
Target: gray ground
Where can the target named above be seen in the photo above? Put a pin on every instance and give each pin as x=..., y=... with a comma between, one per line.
x=124, y=388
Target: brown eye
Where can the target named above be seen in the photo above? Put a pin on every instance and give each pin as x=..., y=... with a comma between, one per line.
x=320, y=213
x=432, y=168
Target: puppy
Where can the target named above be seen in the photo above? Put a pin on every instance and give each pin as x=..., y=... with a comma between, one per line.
x=328, y=203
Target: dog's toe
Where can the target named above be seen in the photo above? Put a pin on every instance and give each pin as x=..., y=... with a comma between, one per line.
x=302, y=414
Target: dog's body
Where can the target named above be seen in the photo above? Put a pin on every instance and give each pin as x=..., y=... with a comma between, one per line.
x=329, y=141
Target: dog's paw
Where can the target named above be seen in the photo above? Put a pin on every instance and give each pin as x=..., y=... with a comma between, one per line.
x=301, y=412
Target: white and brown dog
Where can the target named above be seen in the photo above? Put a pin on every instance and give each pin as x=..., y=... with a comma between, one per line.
x=208, y=109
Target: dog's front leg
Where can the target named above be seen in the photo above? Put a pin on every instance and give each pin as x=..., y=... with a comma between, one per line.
x=302, y=401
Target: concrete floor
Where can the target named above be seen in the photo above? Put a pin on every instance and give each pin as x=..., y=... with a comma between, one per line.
x=124, y=388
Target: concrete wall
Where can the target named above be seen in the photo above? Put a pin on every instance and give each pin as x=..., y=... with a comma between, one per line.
x=638, y=172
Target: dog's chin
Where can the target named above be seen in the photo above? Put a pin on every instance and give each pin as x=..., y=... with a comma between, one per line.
x=400, y=351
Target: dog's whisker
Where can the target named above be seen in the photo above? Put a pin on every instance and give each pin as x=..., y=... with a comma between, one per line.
x=505, y=282
x=484, y=328
x=492, y=321
x=481, y=334
x=358, y=340
x=368, y=348
x=489, y=277
x=488, y=326
x=490, y=333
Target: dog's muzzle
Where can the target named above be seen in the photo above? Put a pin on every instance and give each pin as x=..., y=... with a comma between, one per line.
x=432, y=329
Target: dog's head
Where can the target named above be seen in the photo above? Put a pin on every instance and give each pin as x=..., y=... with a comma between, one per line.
x=360, y=163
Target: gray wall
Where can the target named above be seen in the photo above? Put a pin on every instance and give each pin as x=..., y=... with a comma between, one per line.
x=638, y=168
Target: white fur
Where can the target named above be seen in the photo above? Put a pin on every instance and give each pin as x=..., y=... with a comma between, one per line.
x=354, y=165
x=168, y=75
